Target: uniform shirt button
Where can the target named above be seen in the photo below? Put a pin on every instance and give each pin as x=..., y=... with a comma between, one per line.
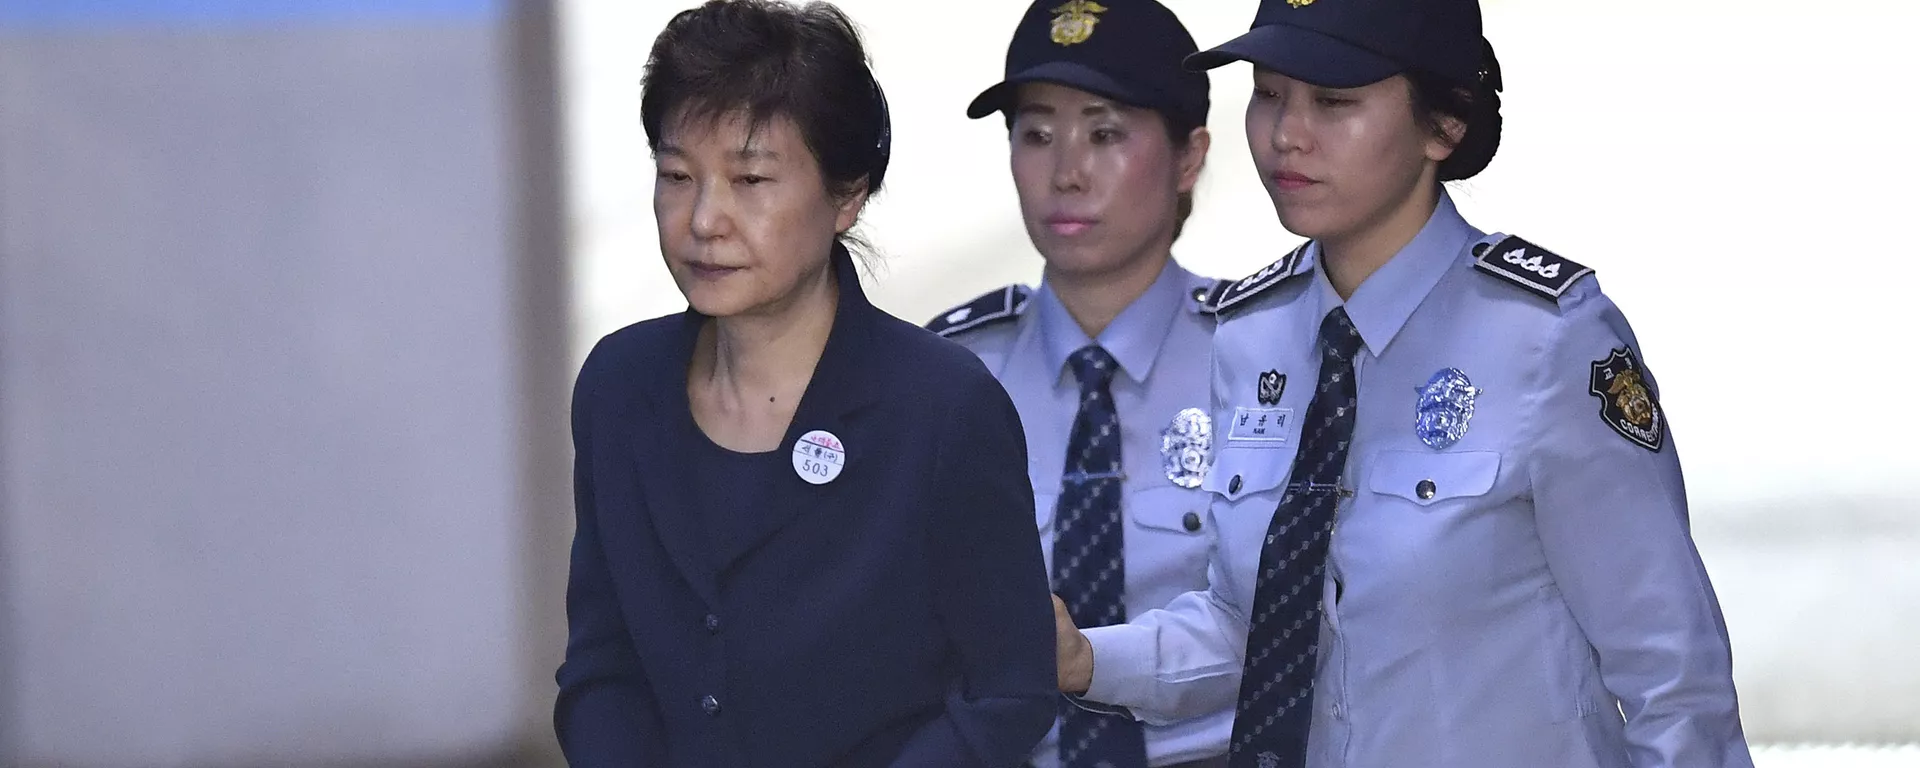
x=1233, y=486
x=713, y=622
x=710, y=705
x=1425, y=489
x=1191, y=521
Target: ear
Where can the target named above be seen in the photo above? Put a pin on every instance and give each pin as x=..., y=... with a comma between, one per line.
x=847, y=211
x=1194, y=159
x=1452, y=131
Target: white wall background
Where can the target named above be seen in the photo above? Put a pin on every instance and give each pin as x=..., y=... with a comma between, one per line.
x=1740, y=173
x=277, y=447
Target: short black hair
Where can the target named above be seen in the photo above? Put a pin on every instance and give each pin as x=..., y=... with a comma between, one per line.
x=768, y=59
x=1477, y=106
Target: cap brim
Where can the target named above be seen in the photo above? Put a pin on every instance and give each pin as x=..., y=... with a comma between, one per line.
x=1067, y=73
x=1301, y=54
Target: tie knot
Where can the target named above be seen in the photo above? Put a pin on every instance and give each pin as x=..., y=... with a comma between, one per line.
x=1338, y=337
x=1092, y=365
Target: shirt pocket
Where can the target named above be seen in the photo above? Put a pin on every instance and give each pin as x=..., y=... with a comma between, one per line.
x=1168, y=542
x=1429, y=478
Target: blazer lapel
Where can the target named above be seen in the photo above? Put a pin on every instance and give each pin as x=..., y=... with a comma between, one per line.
x=673, y=505
x=841, y=386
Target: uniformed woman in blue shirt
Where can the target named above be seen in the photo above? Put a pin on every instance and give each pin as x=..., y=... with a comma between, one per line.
x=1453, y=530
x=804, y=528
x=1107, y=359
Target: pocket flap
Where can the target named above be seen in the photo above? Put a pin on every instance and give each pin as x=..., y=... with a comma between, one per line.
x=1239, y=472
x=1430, y=478
x=1169, y=508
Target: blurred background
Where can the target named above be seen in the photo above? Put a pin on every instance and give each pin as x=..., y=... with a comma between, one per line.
x=292, y=293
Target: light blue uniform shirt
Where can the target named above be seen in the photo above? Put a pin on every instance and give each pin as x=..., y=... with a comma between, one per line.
x=1161, y=341
x=1497, y=602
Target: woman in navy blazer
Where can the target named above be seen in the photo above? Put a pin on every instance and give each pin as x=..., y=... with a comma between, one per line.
x=804, y=528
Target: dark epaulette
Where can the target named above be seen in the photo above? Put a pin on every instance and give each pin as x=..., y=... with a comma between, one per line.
x=1228, y=293
x=1529, y=266
x=996, y=306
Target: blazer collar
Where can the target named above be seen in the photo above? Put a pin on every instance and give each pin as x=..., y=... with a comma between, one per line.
x=842, y=384
x=844, y=363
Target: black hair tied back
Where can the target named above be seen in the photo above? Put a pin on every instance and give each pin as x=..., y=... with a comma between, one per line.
x=1477, y=105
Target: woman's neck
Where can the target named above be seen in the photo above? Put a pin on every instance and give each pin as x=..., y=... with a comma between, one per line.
x=1095, y=299
x=749, y=371
x=1352, y=258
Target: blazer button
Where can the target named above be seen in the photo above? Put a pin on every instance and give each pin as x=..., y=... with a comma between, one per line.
x=1233, y=486
x=713, y=623
x=710, y=704
x=1191, y=521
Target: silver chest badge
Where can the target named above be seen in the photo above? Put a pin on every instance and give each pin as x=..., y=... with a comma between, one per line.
x=1444, y=408
x=1186, y=447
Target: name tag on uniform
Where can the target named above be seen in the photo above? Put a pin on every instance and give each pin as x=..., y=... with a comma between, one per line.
x=1260, y=427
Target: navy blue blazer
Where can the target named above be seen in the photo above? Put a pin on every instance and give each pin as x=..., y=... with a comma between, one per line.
x=897, y=616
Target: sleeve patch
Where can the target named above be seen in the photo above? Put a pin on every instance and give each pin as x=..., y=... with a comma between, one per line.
x=1530, y=266
x=1627, y=404
x=995, y=306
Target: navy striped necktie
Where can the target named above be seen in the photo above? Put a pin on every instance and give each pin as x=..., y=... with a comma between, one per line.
x=1275, y=710
x=1088, y=570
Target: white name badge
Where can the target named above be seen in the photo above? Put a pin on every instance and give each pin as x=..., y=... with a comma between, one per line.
x=818, y=457
x=1260, y=427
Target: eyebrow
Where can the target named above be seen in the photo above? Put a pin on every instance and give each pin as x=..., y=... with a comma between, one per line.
x=744, y=153
x=1098, y=109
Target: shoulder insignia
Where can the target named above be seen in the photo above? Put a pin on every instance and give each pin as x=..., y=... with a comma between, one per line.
x=995, y=306
x=1227, y=293
x=1529, y=266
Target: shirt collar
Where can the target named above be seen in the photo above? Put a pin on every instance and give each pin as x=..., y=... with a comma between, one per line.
x=1134, y=336
x=1381, y=305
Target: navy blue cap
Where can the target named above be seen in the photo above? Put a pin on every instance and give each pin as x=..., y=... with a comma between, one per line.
x=1351, y=43
x=1126, y=50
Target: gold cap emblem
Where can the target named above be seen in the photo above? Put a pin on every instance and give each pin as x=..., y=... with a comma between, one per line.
x=1299, y=3
x=1073, y=22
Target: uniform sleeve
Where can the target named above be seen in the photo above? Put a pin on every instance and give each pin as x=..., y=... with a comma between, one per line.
x=606, y=714
x=1185, y=659
x=1612, y=514
x=1173, y=663
x=991, y=593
